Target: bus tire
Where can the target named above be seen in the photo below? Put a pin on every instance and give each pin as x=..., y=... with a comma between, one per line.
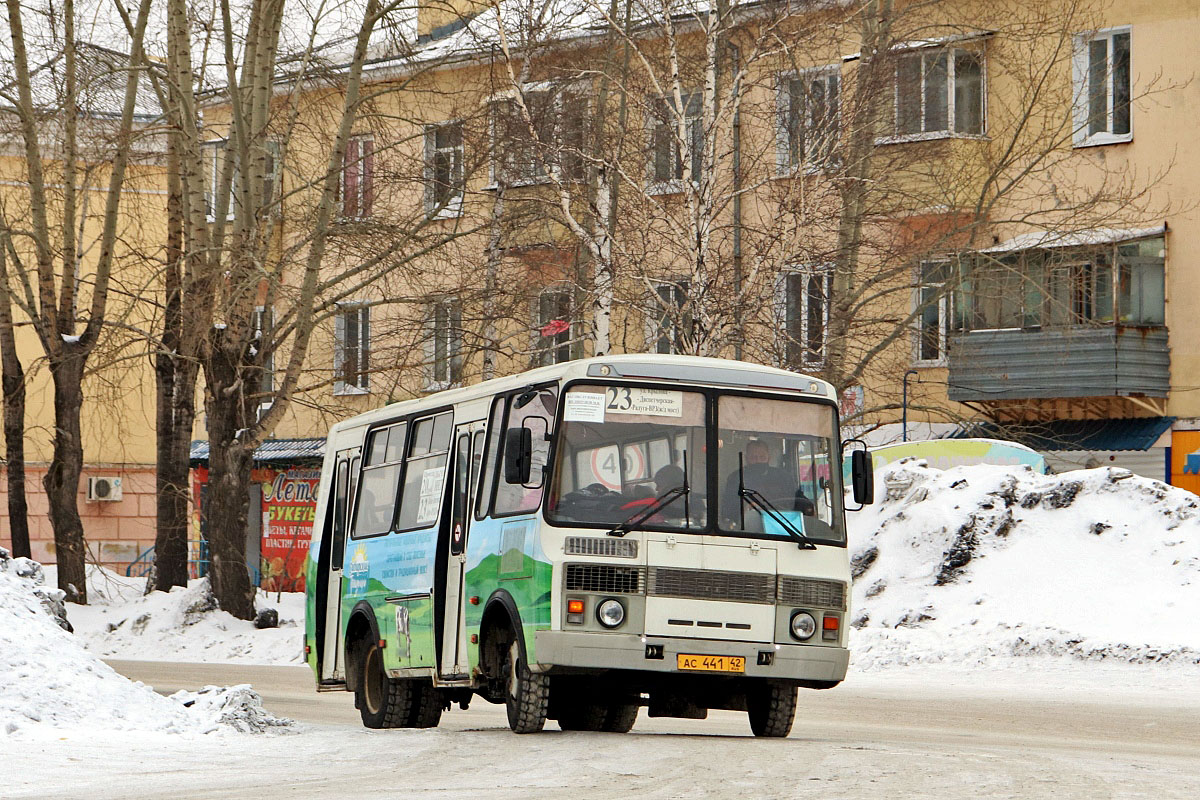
x=526, y=695
x=583, y=715
x=427, y=706
x=620, y=718
x=382, y=701
x=772, y=709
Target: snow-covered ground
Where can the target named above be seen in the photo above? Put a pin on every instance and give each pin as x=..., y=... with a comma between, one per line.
x=52, y=685
x=184, y=625
x=982, y=566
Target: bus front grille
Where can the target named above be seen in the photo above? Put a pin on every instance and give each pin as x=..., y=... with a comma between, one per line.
x=699, y=584
x=604, y=579
x=808, y=592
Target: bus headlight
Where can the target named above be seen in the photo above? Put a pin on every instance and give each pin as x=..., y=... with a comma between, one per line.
x=803, y=625
x=611, y=613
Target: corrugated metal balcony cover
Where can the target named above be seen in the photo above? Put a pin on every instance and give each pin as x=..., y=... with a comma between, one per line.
x=1101, y=361
x=272, y=451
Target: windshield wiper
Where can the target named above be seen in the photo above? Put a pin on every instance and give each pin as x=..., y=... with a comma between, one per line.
x=764, y=506
x=660, y=502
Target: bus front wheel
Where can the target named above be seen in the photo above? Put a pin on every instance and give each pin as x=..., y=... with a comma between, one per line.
x=772, y=709
x=526, y=695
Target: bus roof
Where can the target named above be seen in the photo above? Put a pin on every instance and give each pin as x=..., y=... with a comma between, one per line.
x=637, y=366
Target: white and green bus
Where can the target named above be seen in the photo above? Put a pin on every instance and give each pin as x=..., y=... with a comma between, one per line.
x=585, y=539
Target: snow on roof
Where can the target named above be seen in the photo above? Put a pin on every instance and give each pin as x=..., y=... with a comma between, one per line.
x=1085, y=238
x=991, y=563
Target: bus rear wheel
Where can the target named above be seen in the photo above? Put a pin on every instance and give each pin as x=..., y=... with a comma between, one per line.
x=772, y=709
x=526, y=695
x=382, y=701
x=620, y=718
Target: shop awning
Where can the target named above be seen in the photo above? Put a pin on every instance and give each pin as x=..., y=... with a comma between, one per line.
x=272, y=451
x=1076, y=434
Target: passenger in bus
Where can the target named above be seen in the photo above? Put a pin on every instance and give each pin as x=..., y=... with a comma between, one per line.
x=774, y=483
x=667, y=478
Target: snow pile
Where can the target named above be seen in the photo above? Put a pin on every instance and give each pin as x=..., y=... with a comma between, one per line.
x=238, y=707
x=987, y=562
x=50, y=682
x=183, y=625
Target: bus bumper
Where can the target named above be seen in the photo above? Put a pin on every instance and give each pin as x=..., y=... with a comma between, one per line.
x=592, y=651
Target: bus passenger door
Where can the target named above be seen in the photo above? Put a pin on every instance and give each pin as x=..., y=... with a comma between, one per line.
x=468, y=452
x=345, y=478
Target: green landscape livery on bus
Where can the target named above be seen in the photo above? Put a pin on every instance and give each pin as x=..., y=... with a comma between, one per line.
x=582, y=540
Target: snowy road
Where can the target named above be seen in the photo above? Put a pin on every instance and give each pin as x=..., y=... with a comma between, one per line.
x=910, y=734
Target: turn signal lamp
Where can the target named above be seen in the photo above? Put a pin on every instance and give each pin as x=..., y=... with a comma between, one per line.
x=829, y=628
x=574, y=606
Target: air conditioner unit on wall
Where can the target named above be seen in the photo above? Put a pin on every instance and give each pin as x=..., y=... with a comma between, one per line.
x=106, y=489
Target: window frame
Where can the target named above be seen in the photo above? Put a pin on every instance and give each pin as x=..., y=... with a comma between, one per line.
x=453, y=344
x=823, y=273
x=535, y=168
x=546, y=355
x=362, y=382
x=1081, y=86
x=453, y=205
x=924, y=53
x=661, y=325
x=945, y=309
x=784, y=164
x=362, y=166
x=214, y=165
x=662, y=116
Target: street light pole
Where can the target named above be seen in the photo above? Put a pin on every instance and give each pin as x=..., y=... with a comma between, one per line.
x=904, y=404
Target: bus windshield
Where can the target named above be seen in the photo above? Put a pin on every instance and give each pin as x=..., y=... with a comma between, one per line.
x=777, y=468
x=623, y=450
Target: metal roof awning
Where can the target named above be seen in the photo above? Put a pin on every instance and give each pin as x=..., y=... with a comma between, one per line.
x=272, y=451
x=1076, y=434
x=1049, y=240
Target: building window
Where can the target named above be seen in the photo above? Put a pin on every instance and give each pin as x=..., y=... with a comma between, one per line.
x=554, y=326
x=550, y=144
x=939, y=91
x=352, y=356
x=444, y=343
x=357, y=184
x=806, y=302
x=935, y=318
x=1068, y=287
x=808, y=118
x=444, y=169
x=668, y=153
x=1102, y=88
x=213, y=153
x=673, y=326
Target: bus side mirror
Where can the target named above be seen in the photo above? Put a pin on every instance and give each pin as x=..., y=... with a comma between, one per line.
x=518, y=455
x=862, y=477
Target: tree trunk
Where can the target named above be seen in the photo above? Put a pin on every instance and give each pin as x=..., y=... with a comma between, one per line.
x=62, y=479
x=12, y=383
x=229, y=464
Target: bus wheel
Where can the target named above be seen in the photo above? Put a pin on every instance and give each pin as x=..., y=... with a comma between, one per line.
x=772, y=709
x=526, y=695
x=382, y=701
x=620, y=718
x=427, y=706
x=583, y=715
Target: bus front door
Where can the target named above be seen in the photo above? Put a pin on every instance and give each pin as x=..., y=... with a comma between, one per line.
x=345, y=480
x=468, y=453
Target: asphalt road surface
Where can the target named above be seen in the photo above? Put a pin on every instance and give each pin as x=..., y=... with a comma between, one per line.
x=872, y=741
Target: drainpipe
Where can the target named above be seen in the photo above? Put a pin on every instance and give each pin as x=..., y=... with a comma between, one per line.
x=904, y=404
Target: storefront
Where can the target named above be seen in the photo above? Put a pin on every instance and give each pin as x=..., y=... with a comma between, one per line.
x=283, y=503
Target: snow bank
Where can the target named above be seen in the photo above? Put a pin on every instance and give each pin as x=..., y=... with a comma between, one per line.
x=50, y=682
x=183, y=625
x=984, y=562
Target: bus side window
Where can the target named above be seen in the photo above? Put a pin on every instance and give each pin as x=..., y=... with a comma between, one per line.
x=538, y=415
x=377, y=497
x=425, y=475
x=487, y=476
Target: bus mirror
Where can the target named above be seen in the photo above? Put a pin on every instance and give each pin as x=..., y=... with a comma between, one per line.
x=518, y=455
x=862, y=477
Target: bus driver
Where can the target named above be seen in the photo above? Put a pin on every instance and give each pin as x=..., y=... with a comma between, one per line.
x=773, y=483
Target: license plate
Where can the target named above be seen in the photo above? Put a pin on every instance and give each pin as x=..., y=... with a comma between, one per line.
x=710, y=663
